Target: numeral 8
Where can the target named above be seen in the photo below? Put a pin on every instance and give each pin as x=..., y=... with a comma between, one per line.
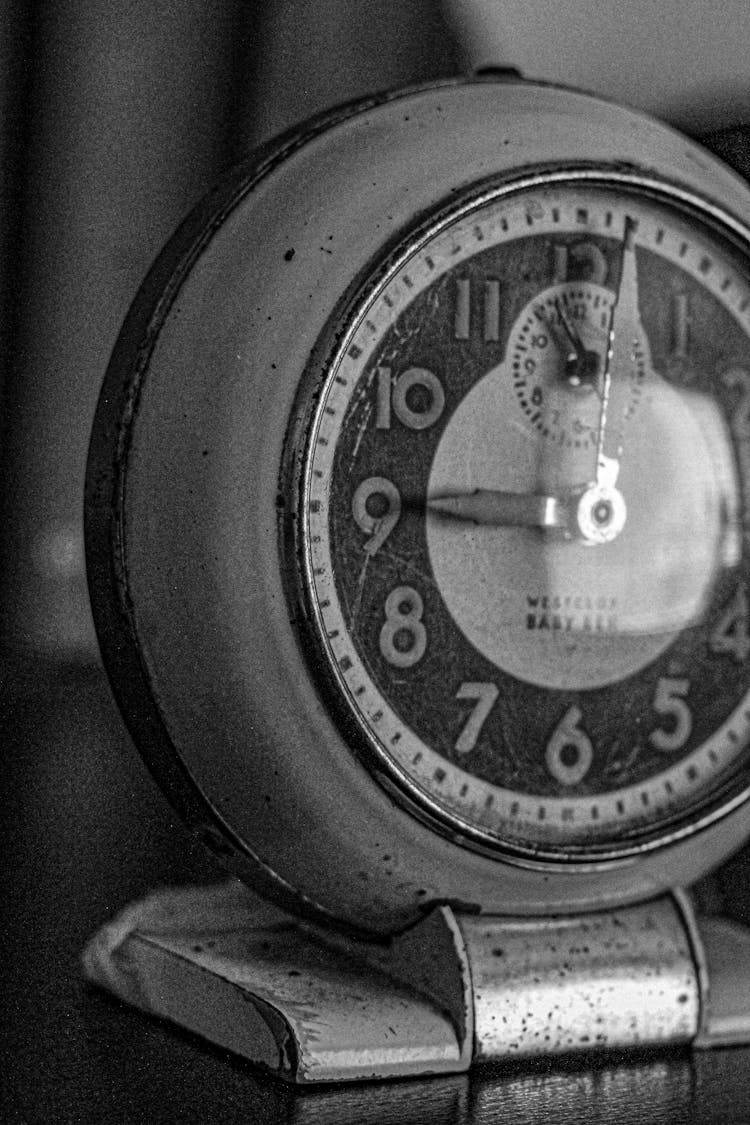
x=403, y=637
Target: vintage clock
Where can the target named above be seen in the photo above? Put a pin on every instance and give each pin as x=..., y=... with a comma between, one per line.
x=417, y=537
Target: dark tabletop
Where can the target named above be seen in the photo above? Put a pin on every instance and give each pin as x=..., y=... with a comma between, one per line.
x=85, y=831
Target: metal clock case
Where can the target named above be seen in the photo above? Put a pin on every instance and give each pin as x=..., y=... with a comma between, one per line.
x=415, y=510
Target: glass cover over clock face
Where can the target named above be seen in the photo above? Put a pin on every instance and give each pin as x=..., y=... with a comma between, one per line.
x=525, y=496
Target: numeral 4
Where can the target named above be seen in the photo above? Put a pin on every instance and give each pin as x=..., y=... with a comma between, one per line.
x=738, y=379
x=731, y=636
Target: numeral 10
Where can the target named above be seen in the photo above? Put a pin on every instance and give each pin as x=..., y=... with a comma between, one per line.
x=416, y=397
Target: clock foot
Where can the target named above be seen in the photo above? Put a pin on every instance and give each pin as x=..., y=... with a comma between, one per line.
x=310, y=1006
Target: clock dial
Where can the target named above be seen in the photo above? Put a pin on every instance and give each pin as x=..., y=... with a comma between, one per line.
x=524, y=494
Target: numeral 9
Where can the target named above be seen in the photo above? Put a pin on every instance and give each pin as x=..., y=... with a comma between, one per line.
x=376, y=507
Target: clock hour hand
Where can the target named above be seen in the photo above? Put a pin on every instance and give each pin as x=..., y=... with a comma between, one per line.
x=581, y=364
x=496, y=508
x=593, y=515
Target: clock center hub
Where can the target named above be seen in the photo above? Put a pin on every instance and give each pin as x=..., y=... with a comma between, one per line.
x=601, y=514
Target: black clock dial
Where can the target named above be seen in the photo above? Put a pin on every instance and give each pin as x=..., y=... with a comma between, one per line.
x=524, y=518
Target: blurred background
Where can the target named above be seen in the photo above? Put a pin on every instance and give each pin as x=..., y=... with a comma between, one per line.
x=115, y=118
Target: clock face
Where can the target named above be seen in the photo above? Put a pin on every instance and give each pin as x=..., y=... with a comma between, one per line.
x=525, y=489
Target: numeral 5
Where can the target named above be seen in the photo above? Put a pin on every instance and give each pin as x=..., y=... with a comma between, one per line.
x=669, y=701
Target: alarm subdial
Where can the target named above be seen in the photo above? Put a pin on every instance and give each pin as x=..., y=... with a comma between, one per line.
x=557, y=355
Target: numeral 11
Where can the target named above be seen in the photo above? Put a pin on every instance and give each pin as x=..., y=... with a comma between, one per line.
x=489, y=310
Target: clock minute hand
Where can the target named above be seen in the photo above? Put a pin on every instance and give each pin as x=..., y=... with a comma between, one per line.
x=496, y=508
x=625, y=331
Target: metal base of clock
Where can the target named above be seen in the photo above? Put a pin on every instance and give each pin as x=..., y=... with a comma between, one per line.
x=311, y=1006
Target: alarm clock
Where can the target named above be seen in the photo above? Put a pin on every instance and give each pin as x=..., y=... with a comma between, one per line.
x=416, y=511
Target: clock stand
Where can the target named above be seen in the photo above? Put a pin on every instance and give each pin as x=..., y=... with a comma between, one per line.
x=311, y=1006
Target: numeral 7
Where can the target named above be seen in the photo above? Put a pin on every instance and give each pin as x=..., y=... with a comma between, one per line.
x=485, y=695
